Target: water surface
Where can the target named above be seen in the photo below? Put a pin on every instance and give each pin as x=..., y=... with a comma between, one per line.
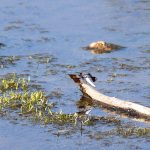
x=47, y=38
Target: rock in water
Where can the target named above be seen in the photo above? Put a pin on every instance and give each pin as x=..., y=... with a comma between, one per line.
x=102, y=47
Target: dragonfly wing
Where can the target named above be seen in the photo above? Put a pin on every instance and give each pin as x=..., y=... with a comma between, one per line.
x=90, y=82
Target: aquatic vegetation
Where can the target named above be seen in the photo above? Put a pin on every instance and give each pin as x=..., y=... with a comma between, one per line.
x=54, y=69
x=6, y=61
x=51, y=72
x=56, y=93
x=65, y=66
x=17, y=96
x=121, y=131
x=60, y=118
x=12, y=84
x=42, y=58
x=133, y=131
x=147, y=51
x=130, y=67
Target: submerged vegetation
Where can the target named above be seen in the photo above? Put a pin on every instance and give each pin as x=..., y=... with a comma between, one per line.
x=6, y=61
x=126, y=132
x=42, y=58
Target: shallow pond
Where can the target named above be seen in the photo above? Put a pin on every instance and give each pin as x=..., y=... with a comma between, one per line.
x=43, y=41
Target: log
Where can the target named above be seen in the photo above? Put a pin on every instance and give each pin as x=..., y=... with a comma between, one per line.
x=112, y=103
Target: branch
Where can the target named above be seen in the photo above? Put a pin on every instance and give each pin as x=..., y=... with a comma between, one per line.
x=112, y=103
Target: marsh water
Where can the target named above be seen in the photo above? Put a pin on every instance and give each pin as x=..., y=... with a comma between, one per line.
x=43, y=42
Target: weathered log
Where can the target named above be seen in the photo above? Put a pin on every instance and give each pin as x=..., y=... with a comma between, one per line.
x=115, y=104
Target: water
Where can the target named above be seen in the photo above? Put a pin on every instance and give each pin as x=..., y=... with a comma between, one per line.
x=57, y=30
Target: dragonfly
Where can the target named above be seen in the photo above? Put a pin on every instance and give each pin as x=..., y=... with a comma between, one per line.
x=88, y=78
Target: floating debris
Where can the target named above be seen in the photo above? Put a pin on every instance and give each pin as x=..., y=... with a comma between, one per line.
x=100, y=47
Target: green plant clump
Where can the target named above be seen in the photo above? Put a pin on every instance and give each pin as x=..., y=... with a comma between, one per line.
x=15, y=95
x=13, y=84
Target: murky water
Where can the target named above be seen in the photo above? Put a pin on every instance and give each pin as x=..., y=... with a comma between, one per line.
x=44, y=40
